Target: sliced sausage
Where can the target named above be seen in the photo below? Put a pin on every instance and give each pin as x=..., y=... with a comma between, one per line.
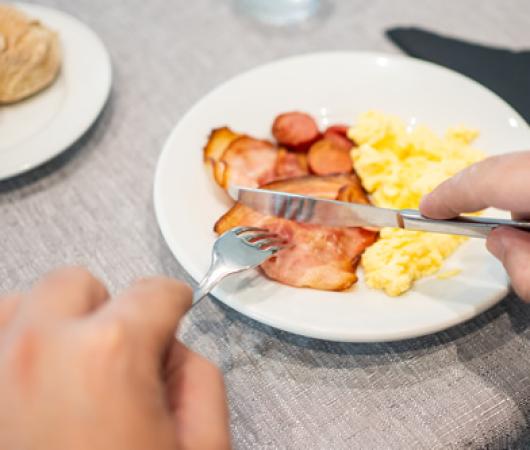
x=326, y=157
x=338, y=129
x=339, y=134
x=295, y=130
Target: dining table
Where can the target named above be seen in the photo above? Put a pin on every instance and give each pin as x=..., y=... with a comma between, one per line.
x=464, y=387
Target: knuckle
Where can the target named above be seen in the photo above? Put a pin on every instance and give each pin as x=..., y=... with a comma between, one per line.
x=115, y=334
x=81, y=276
x=165, y=283
x=78, y=275
x=109, y=337
x=70, y=271
x=169, y=293
x=103, y=355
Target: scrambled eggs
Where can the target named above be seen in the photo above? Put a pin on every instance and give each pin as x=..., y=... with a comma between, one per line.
x=397, y=167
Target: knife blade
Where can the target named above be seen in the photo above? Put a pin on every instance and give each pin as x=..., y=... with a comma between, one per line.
x=306, y=209
x=317, y=211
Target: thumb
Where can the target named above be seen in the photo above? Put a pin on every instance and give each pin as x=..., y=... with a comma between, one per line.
x=512, y=248
x=198, y=400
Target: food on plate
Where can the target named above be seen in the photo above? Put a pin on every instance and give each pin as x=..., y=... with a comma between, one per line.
x=397, y=167
x=30, y=55
x=340, y=129
x=339, y=135
x=351, y=193
x=327, y=156
x=290, y=165
x=249, y=162
x=318, y=257
x=238, y=159
x=218, y=142
x=295, y=130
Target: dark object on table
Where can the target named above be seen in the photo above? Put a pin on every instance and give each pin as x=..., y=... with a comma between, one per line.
x=505, y=72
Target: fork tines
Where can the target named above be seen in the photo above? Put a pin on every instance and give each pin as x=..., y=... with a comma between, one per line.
x=260, y=238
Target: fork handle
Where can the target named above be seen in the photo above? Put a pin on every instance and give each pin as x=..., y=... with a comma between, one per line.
x=205, y=286
x=214, y=275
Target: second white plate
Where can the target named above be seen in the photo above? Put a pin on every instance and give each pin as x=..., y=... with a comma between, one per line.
x=44, y=125
x=334, y=87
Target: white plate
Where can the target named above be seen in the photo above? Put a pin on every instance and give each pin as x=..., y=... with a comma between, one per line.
x=334, y=87
x=42, y=126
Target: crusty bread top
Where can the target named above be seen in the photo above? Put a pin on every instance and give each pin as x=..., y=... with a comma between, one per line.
x=30, y=55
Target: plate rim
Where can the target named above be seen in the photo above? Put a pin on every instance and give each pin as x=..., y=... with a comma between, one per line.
x=69, y=137
x=180, y=256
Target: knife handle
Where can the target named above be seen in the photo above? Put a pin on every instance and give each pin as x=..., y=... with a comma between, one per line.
x=472, y=226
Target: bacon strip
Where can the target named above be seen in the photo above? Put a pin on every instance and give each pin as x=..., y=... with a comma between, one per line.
x=318, y=257
x=245, y=161
x=249, y=162
x=352, y=194
x=290, y=165
x=218, y=141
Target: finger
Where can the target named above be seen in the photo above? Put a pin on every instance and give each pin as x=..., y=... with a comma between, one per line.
x=521, y=216
x=151, y=309
x=8, y=306
x=68, y=292
x=198, y=401
x=499, y=181
x=512, y=248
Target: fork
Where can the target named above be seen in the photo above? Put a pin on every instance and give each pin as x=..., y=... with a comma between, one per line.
x=235, y=251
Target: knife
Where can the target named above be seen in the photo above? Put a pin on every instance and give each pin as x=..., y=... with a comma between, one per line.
x=312, y=210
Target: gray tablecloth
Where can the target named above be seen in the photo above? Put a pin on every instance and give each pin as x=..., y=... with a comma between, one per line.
x=468, y=387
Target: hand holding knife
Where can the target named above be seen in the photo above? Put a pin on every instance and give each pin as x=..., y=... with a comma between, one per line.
x=305, y=209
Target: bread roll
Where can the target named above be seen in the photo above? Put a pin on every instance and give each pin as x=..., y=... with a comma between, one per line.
x=30, y=55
